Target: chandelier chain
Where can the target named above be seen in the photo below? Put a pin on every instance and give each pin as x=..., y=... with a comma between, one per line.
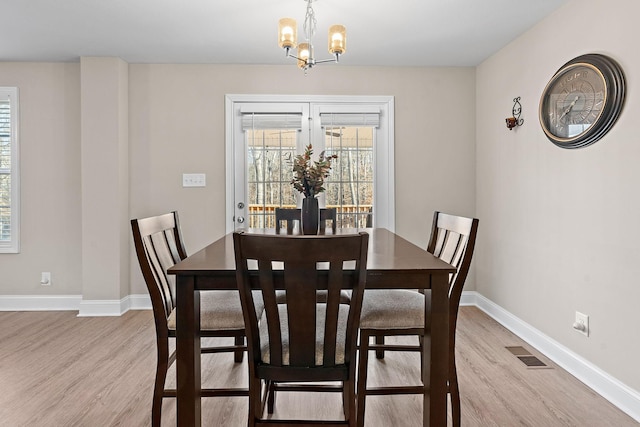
x=309, y=22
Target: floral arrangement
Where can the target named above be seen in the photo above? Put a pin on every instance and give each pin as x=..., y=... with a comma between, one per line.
x=308, y=176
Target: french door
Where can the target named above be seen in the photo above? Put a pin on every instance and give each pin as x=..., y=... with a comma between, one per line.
x=264, y=133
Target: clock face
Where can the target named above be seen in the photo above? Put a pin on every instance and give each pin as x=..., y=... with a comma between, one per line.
x=582, y=101
x=575, y=101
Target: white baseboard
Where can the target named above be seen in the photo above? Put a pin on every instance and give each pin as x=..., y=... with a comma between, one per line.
x=619, y=394
x=84, y=308
x=91, y=308
x=40, y=302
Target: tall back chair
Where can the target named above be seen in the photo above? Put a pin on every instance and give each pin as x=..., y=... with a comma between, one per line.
x=292, y=215
x=401, y=312
x=158, y=244
x=301, y=340
x=288, y=215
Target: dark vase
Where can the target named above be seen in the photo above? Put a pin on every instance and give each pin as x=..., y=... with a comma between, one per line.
x=310, y=215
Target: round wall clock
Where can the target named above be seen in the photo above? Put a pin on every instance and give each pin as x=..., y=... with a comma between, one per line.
x=582, y=101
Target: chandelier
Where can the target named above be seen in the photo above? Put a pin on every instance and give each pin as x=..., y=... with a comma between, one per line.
x=287, y=39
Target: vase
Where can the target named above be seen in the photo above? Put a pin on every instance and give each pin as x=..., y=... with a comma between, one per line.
x=310, y=215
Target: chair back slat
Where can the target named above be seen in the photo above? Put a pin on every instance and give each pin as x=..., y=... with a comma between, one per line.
x=273, y=316
x=301, y=265
x=158, y=256
x=334, y=288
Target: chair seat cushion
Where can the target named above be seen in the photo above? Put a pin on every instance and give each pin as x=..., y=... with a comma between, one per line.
x=393, y=309
x=343, y=313
x=219, y=310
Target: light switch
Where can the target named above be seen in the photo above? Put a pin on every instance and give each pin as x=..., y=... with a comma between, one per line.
x=194, y=180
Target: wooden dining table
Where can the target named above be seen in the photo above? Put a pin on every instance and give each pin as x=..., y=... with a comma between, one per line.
x=392, y=263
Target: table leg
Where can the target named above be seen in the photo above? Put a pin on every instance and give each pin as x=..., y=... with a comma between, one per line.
x=188, y=352
x=436, y=354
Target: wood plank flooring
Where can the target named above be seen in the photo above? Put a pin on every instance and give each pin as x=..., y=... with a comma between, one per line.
x=60, y=370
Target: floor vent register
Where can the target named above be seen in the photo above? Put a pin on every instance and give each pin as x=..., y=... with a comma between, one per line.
x=527, y=358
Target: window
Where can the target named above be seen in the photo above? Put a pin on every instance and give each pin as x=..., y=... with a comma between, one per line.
x=9, y=175
x=271, y=144
x=350, y=186
x=265, y=132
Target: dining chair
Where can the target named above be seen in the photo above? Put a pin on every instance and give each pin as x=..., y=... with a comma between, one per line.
x=401, y=312
x=292, y=215
x=158, y=244
x=288, y=215
x=303, y=344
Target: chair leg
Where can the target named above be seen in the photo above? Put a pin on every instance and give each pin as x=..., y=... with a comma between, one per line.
x=421, y=344
x=238, y=354
x=255, y=400
x=349, y=401
x=454, y=391
x=362, y=378
x=158, y=388
x=271, y=397
x=345, y=399
x=380, y=341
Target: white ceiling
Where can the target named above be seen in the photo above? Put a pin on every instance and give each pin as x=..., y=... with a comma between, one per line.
x=391, y=32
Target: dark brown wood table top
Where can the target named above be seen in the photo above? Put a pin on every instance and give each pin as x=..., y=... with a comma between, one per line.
x=390, y=257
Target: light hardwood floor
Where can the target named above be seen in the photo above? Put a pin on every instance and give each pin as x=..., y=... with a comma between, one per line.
x=60, y=370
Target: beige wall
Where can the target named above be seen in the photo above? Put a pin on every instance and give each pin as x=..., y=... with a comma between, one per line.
x=105, y=178
x=50, y=180
x=177, y=126
x=559, y=230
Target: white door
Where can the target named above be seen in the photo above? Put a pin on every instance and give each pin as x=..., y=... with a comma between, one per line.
x=265, y=132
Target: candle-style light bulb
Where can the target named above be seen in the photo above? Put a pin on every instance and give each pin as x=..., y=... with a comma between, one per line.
x=304, y=53
x=337, y=39
x=287, y=33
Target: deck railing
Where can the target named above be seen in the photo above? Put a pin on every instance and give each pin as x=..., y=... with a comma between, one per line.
x=348, y=216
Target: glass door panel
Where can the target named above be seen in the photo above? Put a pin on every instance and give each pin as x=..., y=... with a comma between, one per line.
x=350, y=185
x=269, y=155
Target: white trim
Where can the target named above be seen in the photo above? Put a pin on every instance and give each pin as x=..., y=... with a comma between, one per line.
x=468, y=298
x=98, y=308
x=308, y=98
x=40, y=302
x=619, y=394
x=384, y=162
x=75, y=303
x=13, y=247
x=140, y=302
x=230, y=169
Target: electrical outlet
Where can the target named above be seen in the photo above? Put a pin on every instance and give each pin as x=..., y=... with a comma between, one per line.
x=45, y=278
x=582, y=323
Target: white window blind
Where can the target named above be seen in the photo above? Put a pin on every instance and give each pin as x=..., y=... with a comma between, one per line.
x=258, y=121
x=350, y=119
x=9, y=176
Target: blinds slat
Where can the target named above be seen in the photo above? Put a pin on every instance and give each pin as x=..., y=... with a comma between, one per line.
x=349, y=119
x=271, y=121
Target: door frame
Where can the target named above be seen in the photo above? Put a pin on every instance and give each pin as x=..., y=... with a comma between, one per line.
x=384, y=159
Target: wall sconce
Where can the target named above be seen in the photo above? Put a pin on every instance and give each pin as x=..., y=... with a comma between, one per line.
x=516, y=111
